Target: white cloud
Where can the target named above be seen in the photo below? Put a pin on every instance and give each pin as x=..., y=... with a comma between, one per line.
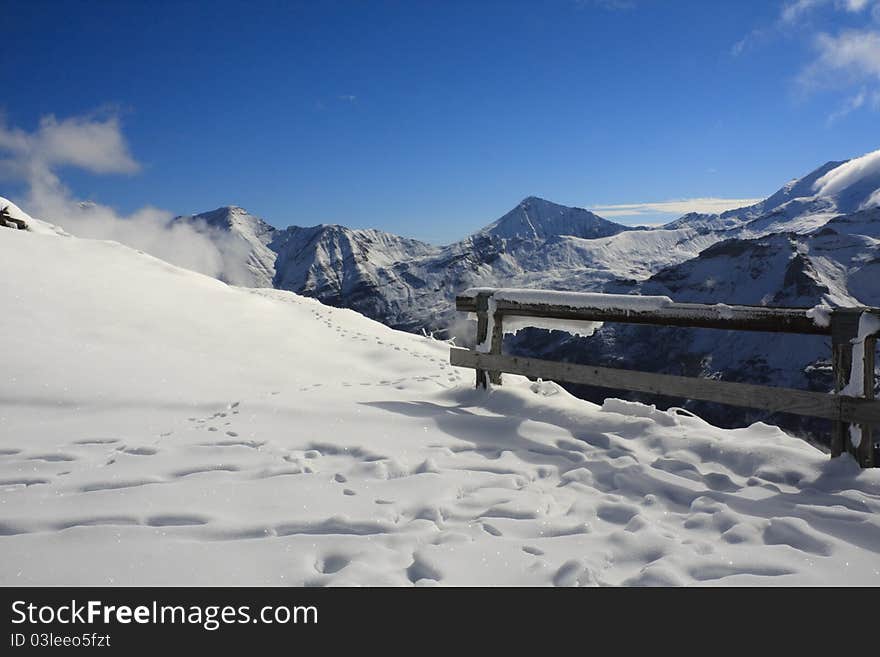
x=850, y=105
x=793, y=11
x=854, y=54
x=848, y=174
x=793, y=20
x=856, y=5
x=98, y=146
x=84, y=142
x=849, y=57
x=679, y=207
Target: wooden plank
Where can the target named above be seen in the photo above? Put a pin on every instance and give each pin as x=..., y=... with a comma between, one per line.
x=854, y=409
x=694, y=315
x=782, y=400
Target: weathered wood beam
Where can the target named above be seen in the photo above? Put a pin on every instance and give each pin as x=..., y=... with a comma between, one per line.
x=482, y=331
x=865, y=450
x=694, y=315
x=497, y=338
x=780, y=400
x=844, y=327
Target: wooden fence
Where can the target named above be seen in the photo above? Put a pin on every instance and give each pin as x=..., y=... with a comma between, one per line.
x=852, y=415
x=8, y=221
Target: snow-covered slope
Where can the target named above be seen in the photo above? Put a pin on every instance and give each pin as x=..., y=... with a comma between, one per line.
x=159, y=427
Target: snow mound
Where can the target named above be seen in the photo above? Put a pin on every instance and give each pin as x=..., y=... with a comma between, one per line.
x=34, y=225
x=160, y=427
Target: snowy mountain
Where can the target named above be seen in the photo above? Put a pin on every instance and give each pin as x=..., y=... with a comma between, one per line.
x=159, y=427
x=359, y=269
x=535, y=219
x=836, y=265
x=243, y=242
x=803, y=204
x=412, y=285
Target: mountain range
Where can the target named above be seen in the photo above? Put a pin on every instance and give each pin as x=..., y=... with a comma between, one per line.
x=411, y=285
x=815, y=241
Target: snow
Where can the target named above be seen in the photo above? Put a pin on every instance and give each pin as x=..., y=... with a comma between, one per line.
x=485, y=345
x=33, y=225
x=583, y=300
x=860, y=173
x=869, y=324
x=724, y=311
x=873, y=200
x=158, y=427
x=515, y=323
x=820, y=314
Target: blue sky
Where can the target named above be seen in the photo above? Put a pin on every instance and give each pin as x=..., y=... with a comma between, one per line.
x=430, y=119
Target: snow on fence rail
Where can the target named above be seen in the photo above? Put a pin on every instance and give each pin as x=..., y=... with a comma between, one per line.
x=853, y=331
x=8, y=221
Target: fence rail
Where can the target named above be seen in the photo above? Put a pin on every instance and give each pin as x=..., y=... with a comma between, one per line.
x=852, y=415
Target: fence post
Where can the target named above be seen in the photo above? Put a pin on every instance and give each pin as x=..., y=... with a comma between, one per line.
x=865, y=452
x=495, y=347
x=845, y=329
x=482, y=302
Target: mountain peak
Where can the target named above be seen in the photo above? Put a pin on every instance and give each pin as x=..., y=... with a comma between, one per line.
x=234, y=219
x=535, y=200
x=836, y=187
x=538, y=218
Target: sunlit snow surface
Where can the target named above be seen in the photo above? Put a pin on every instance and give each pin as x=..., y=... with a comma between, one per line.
x=159, y=427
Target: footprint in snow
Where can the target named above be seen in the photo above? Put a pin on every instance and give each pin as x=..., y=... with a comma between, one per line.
x=139, y=451
x=491, y=529
x=332, y=563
